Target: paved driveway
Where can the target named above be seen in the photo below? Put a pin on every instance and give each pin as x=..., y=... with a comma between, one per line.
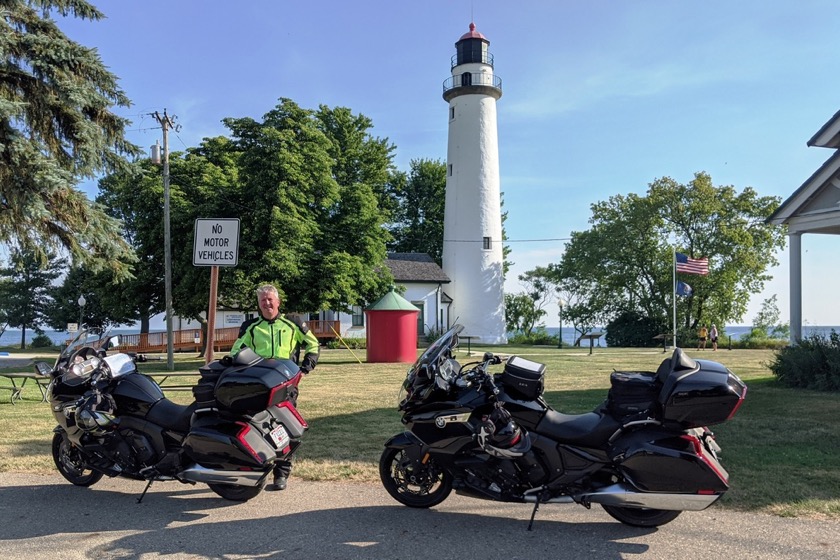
x=45, y=517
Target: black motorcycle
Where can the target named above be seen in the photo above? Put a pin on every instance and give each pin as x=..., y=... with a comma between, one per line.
x=115, y=421
x=645, y=454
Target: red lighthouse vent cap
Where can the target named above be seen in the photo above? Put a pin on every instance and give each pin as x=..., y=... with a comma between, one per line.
x=472, y=34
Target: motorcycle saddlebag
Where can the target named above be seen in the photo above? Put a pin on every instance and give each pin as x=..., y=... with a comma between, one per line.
x=678, y=464
x=257, y=386
x=523, y=378
x=220, y=443
x=631, y=392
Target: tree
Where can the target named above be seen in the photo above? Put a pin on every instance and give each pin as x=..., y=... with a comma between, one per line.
x=135, y=197
x=624, y=262
x=105, y=307
x=767, y=323
x=417, y=225
x=56, y=127
x=313, y=226
x=26, y=295
x=523, y=311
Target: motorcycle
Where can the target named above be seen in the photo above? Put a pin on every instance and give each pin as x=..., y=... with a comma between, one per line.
x=645, y=454
x=115, y=421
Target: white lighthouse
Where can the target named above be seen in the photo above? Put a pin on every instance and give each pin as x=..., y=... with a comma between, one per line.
x=472, y=227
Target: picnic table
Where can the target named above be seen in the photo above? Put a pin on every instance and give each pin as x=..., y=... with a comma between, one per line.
x=591, y=336
x=42, y=381
x=161, y=378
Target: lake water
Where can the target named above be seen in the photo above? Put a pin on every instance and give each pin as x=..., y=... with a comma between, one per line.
x=736, y=332
x=12, y=336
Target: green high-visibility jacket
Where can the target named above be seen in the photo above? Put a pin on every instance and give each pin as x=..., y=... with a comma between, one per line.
x=278, y=338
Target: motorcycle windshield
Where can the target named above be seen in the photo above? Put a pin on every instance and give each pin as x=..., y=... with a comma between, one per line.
x=423, y=372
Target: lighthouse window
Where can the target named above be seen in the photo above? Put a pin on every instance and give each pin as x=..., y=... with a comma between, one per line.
x=466, y=79
x=452, y=113
x=487, y=243
x=450, y=170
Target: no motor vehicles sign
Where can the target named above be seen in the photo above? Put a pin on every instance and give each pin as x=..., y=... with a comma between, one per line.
x=216, y=242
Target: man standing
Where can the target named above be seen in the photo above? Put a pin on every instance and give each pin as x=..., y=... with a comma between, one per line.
x=713, y=334
x=273, y=336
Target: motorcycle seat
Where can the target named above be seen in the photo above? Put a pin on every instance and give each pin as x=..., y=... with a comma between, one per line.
x=170, y=415
x=590, y=429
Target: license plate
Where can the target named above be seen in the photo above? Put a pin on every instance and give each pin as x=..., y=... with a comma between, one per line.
x=280, y=437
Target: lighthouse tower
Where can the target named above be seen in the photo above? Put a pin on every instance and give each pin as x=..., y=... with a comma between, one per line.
x=472, y=227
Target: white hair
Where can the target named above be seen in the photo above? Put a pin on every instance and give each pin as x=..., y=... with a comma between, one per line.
x=266, y=288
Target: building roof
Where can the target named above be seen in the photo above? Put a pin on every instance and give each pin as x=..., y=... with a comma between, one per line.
x=815, y=206
x=415, y=267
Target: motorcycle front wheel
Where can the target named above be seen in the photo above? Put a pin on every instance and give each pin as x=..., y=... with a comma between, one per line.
x=235, y=493
x=641, y=517
x=414, y=484
x=71, y=463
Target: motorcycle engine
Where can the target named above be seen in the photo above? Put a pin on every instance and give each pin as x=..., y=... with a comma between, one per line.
x=506, y=477
x=134, y=451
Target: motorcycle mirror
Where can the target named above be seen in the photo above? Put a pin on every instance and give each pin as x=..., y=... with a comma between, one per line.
x=488, y=357
x=43, y=368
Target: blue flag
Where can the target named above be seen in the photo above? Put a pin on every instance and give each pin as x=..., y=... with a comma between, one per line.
x=683, y=289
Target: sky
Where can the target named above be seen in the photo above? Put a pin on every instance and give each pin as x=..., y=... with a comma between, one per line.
x=600, y=98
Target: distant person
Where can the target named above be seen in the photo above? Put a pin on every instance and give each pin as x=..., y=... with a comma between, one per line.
x=702, y=334
x=713, y=335
x=272, y=336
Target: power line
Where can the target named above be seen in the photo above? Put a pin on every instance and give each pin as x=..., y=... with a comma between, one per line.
x=508, y=240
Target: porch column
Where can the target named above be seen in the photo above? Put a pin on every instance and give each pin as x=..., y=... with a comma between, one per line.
x=795, y=287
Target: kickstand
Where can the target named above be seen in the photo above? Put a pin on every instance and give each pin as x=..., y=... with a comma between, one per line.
x=534, y=513
x=146, y=489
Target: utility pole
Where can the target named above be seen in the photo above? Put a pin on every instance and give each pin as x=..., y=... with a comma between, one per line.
x=166, y=123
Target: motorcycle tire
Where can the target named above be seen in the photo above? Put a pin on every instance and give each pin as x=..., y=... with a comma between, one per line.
x=641, y=517
x=235, y=493
x=412, y=484
x=71, y=464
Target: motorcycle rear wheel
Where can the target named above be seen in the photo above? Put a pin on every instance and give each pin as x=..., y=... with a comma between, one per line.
x=71, y=464
x=236, y=493
x=411, y=483
x=641, y=517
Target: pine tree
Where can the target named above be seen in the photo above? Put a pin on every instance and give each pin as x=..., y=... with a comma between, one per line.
x=56, y=128
x=25, y=294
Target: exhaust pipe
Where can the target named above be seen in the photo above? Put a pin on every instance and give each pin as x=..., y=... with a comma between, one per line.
x=625, y=496
x=197, y=473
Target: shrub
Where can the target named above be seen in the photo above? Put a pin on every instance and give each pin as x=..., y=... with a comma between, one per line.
x=41, y=341
x=813, y=363
x=631, y=329
x=538, y=336
x=353, y=343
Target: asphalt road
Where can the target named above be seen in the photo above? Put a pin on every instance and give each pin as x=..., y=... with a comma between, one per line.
x=42, y=516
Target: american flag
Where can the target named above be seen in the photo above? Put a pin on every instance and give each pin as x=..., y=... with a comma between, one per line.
x=692, y=266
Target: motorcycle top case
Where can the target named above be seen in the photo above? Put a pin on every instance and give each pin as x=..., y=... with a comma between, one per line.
x=256, y=386
x=705, y=395
x=523, y=378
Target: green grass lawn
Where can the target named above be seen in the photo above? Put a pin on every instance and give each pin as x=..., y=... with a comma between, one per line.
x=781, y=450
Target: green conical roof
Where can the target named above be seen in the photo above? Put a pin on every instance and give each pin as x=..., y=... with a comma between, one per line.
x=392, y=301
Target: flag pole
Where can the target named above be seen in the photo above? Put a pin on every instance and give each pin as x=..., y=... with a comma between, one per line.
x=674, y=293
